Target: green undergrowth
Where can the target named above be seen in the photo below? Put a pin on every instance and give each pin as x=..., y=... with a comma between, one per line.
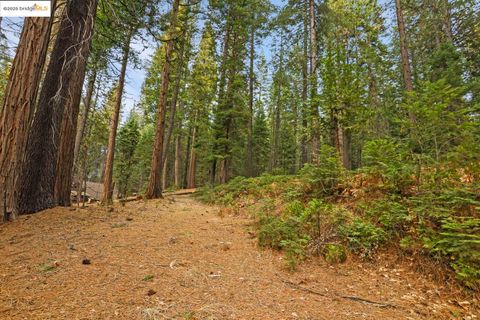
x=392, y=202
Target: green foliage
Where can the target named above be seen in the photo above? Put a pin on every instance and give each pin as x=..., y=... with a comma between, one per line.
x=143, y=157
x=240, y=186
x=390, y=213
x=363, y=237
x=48, y=267
x=283, y=234
x=459, y=240
x=407, y=243
x=128, y=137
x=445, y=63
x=389, y=160
x=441, y=120
x=261, y=142
x=94, y=144
x=5, y=66
x=148, y=277
x=294, y=251
x=325, y=177
x=119, y=225
x=334, y=253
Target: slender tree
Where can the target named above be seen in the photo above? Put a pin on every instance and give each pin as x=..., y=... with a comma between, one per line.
x=406, y=69
x=83, y=118
x=154, y=189
x=314, y=115
x=108, y=176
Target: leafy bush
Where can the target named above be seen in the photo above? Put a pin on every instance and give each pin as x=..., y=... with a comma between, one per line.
x=390, y=213
x=363, y=237
x=283, y=234
x=459, y=240
x=334, y=253
x=440, y=218
x=294, y=251
x=272, y=230
x=325, y=177
x=389, y=160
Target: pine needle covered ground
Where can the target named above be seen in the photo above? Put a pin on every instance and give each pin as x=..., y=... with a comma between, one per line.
x=179, y=259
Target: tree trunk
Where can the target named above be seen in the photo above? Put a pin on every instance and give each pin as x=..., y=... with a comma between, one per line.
x=448, y=21
x=188, y=148
x=176, y=91
x=346, y=148
x=66, y=153
x=213, y=172
x=19, y=101
x=164, y=168
x=85, y=112
x=178, y=162
x=315, y=121
x=36, y=181
x=192, y=162
x=179, y=72
x=276, y=114
x=154, y=189
x=108, y=177
x=407, y=72
x=251, y=81
x=304, y=150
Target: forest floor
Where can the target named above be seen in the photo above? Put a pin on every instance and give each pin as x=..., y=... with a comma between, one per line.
x=177, y=258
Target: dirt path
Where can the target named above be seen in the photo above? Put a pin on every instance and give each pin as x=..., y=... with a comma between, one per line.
x=177, y=259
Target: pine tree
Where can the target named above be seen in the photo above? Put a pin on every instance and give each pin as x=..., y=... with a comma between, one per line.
x=201, y=93
x=18, y=101
x=36, y=178
x=154, y=189
x=128, y=137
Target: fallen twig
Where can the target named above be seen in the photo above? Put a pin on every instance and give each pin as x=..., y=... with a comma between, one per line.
x=379, y=304
x=353, y=298
x=296, y=286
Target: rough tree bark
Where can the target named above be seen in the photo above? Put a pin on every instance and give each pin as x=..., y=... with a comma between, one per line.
x=192, y=163
x=19, y=100
x=251, y=80
x=108, y=176
x=315, y=117
x=406, y=69
x=154, y=188
x=66, y=154
x=304, y=150
x=179, y=73
x=448, y=29
x=85, y=112
x=186, y=164
x=165, y=172
x=178, y=162
x=276, y=114
x=36, y=179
